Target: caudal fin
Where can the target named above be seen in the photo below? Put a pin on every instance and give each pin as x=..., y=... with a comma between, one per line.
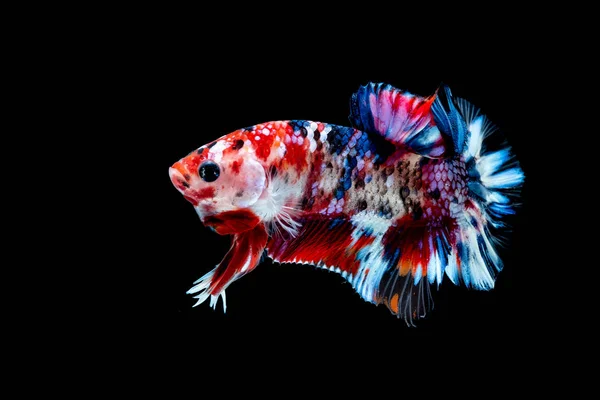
x=495, y=178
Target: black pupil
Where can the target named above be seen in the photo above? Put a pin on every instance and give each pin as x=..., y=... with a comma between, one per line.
x=209, y=171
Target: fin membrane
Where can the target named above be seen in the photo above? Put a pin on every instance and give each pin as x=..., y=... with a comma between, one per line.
x=449, y=119
x=243, y=256
x=386, y=264
x=400, y=117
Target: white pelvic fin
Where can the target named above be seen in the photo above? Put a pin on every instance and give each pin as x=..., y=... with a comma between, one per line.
x=203, y=289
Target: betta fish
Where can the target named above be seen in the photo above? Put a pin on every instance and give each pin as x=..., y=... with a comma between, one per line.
x=405, y=195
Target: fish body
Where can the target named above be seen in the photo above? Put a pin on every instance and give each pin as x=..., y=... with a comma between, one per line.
x=406, y=194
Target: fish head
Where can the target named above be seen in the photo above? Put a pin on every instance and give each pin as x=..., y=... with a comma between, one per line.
x=222, y=180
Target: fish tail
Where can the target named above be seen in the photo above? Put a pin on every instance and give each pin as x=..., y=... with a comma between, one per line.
x=494, y=178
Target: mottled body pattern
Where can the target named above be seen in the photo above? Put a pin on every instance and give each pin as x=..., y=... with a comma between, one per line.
x=392, y=203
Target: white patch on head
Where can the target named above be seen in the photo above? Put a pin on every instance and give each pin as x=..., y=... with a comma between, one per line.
x=217, y=150
x=254, y=181
x=266, y=132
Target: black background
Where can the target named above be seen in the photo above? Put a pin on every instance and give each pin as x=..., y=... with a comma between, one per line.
x=121, y=93
x=178, y=92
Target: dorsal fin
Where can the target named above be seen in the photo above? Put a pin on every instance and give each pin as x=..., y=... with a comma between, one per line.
x=400, y=117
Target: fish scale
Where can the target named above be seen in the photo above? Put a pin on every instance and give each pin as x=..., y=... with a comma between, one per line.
x=359, y=181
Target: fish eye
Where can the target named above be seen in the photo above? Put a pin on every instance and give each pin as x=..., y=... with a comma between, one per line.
x=209, y=171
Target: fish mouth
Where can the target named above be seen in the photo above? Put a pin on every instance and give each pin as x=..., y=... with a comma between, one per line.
x=177, y=178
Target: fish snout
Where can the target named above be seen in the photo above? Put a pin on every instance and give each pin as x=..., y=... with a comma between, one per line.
x=179, y=178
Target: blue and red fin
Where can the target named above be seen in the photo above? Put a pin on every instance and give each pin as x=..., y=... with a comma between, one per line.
x=449, y=119
x=400, y=117
x=494, y=181
x=384, y=262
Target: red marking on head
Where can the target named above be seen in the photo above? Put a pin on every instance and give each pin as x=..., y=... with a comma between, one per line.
x=207, y=192
x=235, y=166
x=192, y=162
x=180, y=168
x=230, y=222
x=194, y=197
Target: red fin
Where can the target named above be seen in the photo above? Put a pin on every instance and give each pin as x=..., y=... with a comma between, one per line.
x=243, y=256
x=417, y=241
x=417, y=253
x=231, y=222
x=321, y=241
x=391, y=263
x=384, y=265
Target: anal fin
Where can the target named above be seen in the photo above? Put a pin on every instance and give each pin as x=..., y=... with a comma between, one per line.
x=321, y=241
x=416, y=254
x=386, y=263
